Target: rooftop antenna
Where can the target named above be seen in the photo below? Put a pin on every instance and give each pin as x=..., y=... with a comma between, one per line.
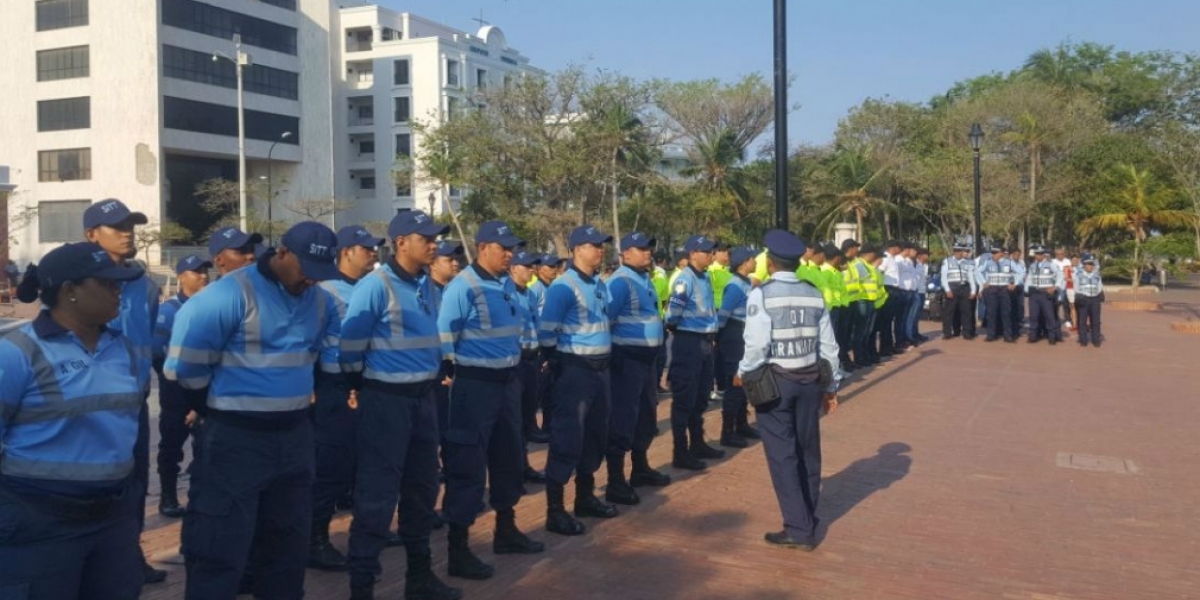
x=480, y=19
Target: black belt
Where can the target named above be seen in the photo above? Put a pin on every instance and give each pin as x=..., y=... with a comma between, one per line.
x=530, y=354
x=68, y=508
x=485, y=374
x=961, y=284
x=409, y=390
x=583, y=362
x=708, y=337
x=285, y=421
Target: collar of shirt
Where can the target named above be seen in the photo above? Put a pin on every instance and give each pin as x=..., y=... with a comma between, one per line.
x=46, y=327
x=589, y=279
x=698, y=272
x=264, y=265
x=181, y=297
x=784, y=276
x=742, y=277
x=348, y=279
x=483, y=273
x=402, y=273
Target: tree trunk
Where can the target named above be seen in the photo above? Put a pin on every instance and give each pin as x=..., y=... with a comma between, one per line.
x=887, y=226
x=615, y=215
x=454, y=218
x=859, y=217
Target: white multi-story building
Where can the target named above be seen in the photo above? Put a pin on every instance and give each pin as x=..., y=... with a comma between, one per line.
x=393, y=69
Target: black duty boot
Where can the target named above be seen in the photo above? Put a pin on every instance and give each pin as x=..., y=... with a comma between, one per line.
x=729, y=434
x=700, y=449
x=362, y=586
x=586, y=502
x=321, y=554
x=743, y=426
x=644, y=475
x=168, y=502
x=682, y=459
x=618, y=491
x=558, y=520
x=509, y=540
x=532, y=475
x=421, y=584
x=463, y=563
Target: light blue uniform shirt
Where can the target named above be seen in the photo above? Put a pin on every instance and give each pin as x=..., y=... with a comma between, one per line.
x=165, y=322
x=733, y=303
x=575, y=316
x=1043, y=275
x=767, y=342
x=480, y=322
x=339, y=291
x=136, y=321
x=1019, y=270
x=633, y=309
x=1088, y=284
x=996, y=273
x=527, y=302
x=691, y=305
x=68, y=416
x=390, y=333
x=959, y=271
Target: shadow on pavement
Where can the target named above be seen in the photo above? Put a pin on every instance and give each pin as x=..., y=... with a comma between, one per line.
x=861, y=387
x=848, y=488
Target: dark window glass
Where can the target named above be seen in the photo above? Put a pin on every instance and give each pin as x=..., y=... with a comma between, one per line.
x=366, y=147
x=221, y=23
x=62, y=63
x=366, y=183
x=452, y=73
x=57, y=14
x=65, y=165
x=288, y=4
x=401, y=110
x=61, y=220
x=403, y=144
x=218, y=119
x=67, y=113
x=181, y=63
x=400, y=73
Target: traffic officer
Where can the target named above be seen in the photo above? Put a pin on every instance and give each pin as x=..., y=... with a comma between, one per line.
x=874, y=297
x=859, y=311
x=252, y=338
x=719, y=274
x=445, y=268
x=958, y=282
x=391, y=353
x=637, y=334
x=692, y=319
x=110, y=224
x=231, y=248
x=1042, y=285
x=547, y=271
x=575, y=335
x=481, y=325
x=837, y=298
x=175, y=415
x=996, y=280
x=1089, y=295
x=70, y=396
x=788, y=328
x=662, y=287
x=333, y=413
x=1020, y=271
x=520, y=271
x=446, y=263
x=731, y=323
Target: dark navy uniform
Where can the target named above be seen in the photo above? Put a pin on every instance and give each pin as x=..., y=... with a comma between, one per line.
x=788, y=327
x=994, y=276
x=731, y=318
x=1043, y=283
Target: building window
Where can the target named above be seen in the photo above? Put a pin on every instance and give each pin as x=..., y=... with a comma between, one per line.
x=400, y=72
x=402, y=109
x=452, y=73
x=61, y=220
x=403, y=144
x=218, y=119
x=366, y=183
x=65, y=165
x=57, y=14
x=366, y=147
x=455, y=192
x=221, y=23
x=366, y=113
x=451, y=107
x=189, y=65
x=288, y=4
x=62, y=63
x=481, y=79
x=404, y=188
x=66, y=113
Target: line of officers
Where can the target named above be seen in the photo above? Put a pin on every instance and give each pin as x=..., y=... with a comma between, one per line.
x=307, y=371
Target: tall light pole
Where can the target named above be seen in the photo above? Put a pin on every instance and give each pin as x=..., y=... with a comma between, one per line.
x=781, y=153
x=976, y=137
x=240, y=60
x=270, y=196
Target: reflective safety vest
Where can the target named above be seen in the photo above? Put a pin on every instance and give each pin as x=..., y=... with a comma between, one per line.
x=809, y=272
x=875, y=287
x=690, y=307
x=480, y=322
x=834, y=289
x=339, y=292
x=795, y=309
x=959, y=271
x=662, y=287
x=575, y=317
x=1042, y=275
x=633, y=309
x=1088, y=284
x=390, y=333
x=998, y=272
x=719, y=276
x=853, y=277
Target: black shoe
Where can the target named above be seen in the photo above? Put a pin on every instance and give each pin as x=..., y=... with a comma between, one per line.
x=438, y=521
x=1053, y=341
x=324, y=557
x=644, y=475
x=700, y=449
x=421, y=584
x=587, y=505
x=990, y=338
x=687, y=462
x=533, y=475
x=1096, y=343
x=731, y=439
x=539, y=436
x=152, y=575
x=559, y=521
x=1032, y=341
x=169, y=506
x=1010, y=340
x=744, y=429
x=620, y=491
x=463, y=563
x=393, y=540
x=362, y=592
x=510, y=540
x=968, y=337
x=781, y=538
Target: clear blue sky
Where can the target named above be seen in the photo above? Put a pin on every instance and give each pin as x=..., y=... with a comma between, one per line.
x=841, y=51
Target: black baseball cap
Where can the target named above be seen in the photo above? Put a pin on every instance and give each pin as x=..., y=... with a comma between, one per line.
x=80, y=260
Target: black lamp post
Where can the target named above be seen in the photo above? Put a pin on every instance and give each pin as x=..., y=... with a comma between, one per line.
x=976, y=137
x=781, y=150
x=270, y=196
x=432, y=199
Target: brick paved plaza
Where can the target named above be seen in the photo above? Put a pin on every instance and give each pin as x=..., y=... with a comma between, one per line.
x=960, y=470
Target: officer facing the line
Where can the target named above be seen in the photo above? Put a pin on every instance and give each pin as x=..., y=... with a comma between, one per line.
x=574, y=333
x=637, y=334
x=1042, y=285
x=70, y=394
x=391, y=353
x=788, y=331
x=692, y=320
x=481, y=326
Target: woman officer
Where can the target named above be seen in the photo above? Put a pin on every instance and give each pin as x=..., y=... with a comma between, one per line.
x=69, y=401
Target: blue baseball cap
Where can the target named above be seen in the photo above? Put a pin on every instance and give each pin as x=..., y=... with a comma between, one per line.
x=740, y=255
x=415, y=221
x=586, y=234
x=316, y=247
x=354, y=235
x=450, y=248
x=231, y=237
x=497, y=232
x=192, y=262
x=699, y=243
x=80, y=260
x=526, y=259
x=639, y=240
x=550, y=259
x=784, y=244
x=111, y=211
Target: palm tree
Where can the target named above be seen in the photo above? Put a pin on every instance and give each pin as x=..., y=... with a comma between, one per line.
x=853, y=176
x=443, y=165
x=1139, y=204
x=716, y=161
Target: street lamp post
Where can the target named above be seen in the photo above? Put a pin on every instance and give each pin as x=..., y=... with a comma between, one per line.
x=976, y=137
x=432, y=199
x=240, y=60
x=781, y=153
x=271, y=196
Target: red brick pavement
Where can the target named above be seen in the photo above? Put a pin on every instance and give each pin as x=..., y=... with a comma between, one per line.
x=976, y=508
